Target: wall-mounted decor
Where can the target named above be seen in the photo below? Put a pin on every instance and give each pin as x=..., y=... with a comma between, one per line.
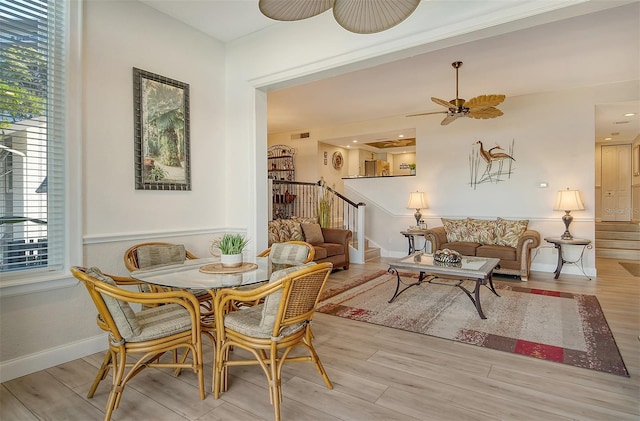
x=337, y=160
x=490, y=165
x=161, y=118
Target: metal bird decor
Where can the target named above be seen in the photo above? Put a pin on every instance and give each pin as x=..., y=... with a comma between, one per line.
x=495, y=154
x=481, y=107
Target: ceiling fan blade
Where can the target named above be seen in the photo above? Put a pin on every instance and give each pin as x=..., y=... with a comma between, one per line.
x=293, y=10
x=442, y=102
x=484, y=113
x=434, y=112
x=448, y=119
x=484, y=101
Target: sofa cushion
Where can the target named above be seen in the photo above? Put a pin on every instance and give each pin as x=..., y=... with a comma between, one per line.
x=481, y=231
x=312, y=233
x=508, y=232
x=320, y=252
x=456, y=229
x=463, y=247
x=333, y=249
x=499, y=252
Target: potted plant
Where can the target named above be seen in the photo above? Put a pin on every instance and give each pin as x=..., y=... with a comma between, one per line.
x=231, y=247
x=412, y=169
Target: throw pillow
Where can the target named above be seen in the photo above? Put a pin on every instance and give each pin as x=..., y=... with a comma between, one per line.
x=456, y=229
x=295, y=231
x=508, y=232
x=312, y=233
x=482, y=231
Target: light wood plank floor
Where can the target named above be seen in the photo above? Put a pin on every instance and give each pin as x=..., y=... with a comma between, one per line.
x=378, y=374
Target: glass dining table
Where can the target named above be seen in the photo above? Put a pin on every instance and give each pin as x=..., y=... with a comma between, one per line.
x=196, y=274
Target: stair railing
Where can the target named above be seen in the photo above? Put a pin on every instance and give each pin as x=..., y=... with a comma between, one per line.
x=301, y=199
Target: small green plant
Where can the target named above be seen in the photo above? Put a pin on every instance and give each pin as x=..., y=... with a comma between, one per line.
x=157, y=173
x=412, y=166
x=231, y=243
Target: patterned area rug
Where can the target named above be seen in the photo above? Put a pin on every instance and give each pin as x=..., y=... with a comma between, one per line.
x=555, y=326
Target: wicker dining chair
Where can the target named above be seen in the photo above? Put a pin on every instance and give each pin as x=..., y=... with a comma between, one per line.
x=172, y=326
x=147, y=255
x=270, y=330
x=288, y=254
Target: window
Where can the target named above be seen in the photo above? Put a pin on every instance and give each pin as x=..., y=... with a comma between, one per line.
x=32, y=135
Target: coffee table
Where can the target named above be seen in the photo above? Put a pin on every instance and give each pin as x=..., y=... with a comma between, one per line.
x=478, y=269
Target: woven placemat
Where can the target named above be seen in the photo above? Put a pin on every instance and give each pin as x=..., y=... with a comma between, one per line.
x=218, y=268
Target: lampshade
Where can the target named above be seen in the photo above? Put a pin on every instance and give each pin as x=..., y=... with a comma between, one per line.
x=359, y=16
x=568, y=200
x=417, y=200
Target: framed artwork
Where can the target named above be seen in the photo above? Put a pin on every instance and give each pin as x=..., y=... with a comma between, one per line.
x=161, y=119
x=337, y=160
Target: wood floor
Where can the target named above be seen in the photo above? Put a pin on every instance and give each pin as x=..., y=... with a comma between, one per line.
x=378, y=374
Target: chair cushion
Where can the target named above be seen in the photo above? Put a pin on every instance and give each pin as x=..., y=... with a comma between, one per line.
x=272, y=301
x=121, y=312
x=283, y=255
x=157, y=255
x=247, y=321
x=312, y=233
x=508, y=232
x=161, y=321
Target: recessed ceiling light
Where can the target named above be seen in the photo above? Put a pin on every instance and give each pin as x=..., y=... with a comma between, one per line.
x=401, y=135
x=354, y=141
x=607, y=138
x=629, y=114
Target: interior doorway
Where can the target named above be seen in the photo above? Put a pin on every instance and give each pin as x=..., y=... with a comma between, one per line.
x=616, y=183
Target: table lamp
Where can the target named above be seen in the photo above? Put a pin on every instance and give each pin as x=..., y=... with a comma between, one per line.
x=417, y=201
x=567, y=201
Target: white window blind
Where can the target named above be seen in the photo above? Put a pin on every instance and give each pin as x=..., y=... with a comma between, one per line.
x=32, y=130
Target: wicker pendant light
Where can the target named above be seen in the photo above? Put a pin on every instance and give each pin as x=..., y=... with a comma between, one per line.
x=359, y=16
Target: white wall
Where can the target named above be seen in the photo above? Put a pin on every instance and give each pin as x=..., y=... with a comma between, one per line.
x=43, y=329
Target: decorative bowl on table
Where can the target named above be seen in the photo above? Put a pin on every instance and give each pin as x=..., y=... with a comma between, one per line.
x=447, y=257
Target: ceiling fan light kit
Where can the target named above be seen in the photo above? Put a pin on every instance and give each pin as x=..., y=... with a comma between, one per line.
x=358, y=16
x=480, y=107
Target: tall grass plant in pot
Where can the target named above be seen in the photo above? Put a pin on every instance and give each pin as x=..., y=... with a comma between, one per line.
x=231, y=247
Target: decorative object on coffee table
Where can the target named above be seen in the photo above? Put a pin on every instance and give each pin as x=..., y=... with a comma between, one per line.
x=568, y=200
x=417, y=201
x=447, y=256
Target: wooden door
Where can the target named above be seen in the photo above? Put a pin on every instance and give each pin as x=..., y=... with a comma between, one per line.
x=616, y=183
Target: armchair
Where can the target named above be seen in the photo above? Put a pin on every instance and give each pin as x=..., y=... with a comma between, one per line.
x=171, y=326
x=269, y=331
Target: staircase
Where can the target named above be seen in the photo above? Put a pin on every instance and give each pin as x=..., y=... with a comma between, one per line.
x=369, y=252
x=618, y=240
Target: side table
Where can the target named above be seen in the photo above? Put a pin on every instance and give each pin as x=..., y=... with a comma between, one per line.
x=411, y=234
x=559, y=242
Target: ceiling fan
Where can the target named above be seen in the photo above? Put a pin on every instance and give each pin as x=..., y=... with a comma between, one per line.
x=482, y=106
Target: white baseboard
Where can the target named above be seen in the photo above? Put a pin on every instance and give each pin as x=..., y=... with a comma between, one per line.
x=42, y=360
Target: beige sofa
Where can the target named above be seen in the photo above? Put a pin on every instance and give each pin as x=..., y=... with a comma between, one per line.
x=329, y=244
x=508, y=240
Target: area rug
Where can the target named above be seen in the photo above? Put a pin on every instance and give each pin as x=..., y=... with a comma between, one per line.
x=632, y=268
x=555, y=326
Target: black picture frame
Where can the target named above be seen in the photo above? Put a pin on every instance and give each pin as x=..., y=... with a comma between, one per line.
x=161, y=132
